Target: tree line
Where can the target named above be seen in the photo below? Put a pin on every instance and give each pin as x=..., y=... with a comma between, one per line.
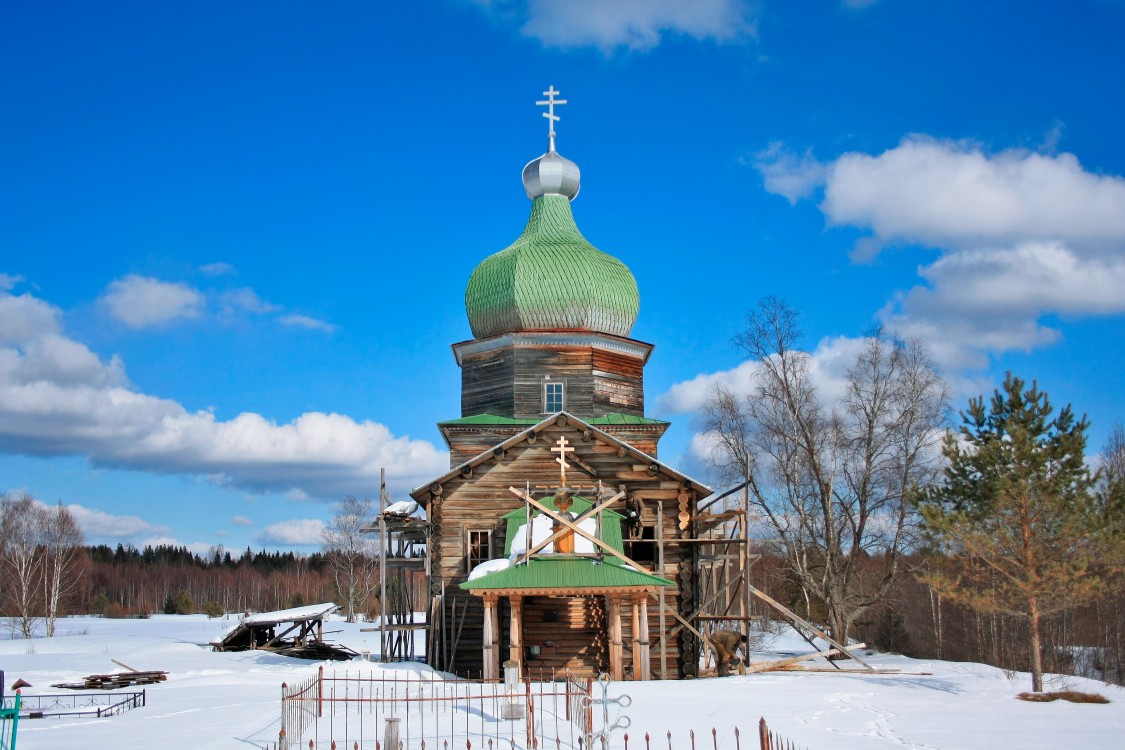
x=865, y=491
x=992, y=537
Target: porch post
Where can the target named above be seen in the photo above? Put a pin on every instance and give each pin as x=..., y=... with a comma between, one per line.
x=515, y=632
x=616, y=652
x=642, y=666
x=491, y=667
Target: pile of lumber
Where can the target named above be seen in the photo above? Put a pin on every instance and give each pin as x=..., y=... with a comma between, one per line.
x=114, y=681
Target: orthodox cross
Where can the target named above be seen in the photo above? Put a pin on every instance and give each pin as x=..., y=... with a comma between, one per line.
x=552, y=118
x=562, y=448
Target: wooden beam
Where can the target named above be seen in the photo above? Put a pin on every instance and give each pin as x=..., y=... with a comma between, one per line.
x=685, y=624
x=588, y=514
x=705, y=604
x=280, y=635
x=577, y=530
x=797, y=618
x=660, y=570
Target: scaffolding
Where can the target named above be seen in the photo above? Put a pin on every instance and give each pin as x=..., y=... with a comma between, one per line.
x=404, y=574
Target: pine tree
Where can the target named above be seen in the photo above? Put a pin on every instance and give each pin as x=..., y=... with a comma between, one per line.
x=1016, y=525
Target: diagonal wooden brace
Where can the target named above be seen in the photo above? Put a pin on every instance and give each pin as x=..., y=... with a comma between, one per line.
x=573, y=526
x=589, y=513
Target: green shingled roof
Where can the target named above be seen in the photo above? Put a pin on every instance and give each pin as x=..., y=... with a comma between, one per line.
x=611, y=530
x=556, y=571
x=551, y=278
x=604, y=419
x=564, y=572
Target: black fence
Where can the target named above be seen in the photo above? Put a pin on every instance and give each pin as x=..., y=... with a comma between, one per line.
x=82, y=704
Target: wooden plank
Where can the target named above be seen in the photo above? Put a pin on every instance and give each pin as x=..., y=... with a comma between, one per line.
x=579, y=530
x=766, y=666
x=558, y=534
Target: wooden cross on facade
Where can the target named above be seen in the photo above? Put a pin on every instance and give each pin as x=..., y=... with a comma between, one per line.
x=562, y=448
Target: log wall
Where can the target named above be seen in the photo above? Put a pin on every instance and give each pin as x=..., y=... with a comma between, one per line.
x=478, y=499
x=508, y=381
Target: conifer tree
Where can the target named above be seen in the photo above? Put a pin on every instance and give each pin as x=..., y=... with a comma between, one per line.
x=1016, y=525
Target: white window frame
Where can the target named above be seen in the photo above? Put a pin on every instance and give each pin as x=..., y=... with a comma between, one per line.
x=547, y=398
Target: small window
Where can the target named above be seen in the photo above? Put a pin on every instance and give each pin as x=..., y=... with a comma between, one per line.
x=478, y=547
x=552, y=397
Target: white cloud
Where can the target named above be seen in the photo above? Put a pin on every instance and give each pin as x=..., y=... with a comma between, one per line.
x=787, y=174
x=633, y=24
x=142, y=302
x=304, y=321
x=9, y=281
x=1021, y=235
x=101, y=525
x=218, y=269
x=242, y=521
x=949, y=193
x=246, y=299
x=59, y=398
x=828, y=369
x=308, y=531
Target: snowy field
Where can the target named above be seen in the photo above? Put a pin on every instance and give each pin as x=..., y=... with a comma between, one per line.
x=232, y=700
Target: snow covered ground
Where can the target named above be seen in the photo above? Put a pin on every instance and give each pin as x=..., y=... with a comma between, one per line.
x=232, y=700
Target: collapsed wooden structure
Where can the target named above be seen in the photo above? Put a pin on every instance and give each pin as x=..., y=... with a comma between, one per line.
x=297, y=632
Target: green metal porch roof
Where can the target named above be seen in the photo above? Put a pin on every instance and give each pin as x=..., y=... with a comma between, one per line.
x=565, y=572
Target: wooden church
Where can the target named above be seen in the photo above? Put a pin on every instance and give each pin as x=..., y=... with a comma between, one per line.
x=558, y=539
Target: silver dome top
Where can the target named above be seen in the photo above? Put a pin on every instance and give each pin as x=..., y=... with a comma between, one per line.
x=551, y=174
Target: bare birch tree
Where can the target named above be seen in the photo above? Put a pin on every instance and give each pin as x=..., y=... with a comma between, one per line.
x=61, y=543
x=351, y=554
x=831, y=479
x=21, y=564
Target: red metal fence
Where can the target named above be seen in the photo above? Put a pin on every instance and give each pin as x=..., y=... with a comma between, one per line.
x=356, y=711
x=351, y=710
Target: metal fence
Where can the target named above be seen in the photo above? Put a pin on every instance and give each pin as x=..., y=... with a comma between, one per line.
x=767, y=740
x=356, y=711
x=80, y=704
x=352, y=709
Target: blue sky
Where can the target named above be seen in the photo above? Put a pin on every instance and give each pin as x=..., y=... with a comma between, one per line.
x=234, y=237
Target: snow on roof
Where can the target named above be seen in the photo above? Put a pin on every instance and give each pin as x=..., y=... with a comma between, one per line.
x=489, y=566
x=405, y=508
x=310, y=612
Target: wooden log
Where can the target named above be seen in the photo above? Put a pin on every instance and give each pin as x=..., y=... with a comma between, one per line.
x=767, y=666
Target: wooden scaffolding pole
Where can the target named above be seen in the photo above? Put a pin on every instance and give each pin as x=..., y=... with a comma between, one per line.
x=383, y=656
x=660, y=572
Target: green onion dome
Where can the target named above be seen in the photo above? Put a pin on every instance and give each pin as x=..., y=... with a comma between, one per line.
x=551, y=278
